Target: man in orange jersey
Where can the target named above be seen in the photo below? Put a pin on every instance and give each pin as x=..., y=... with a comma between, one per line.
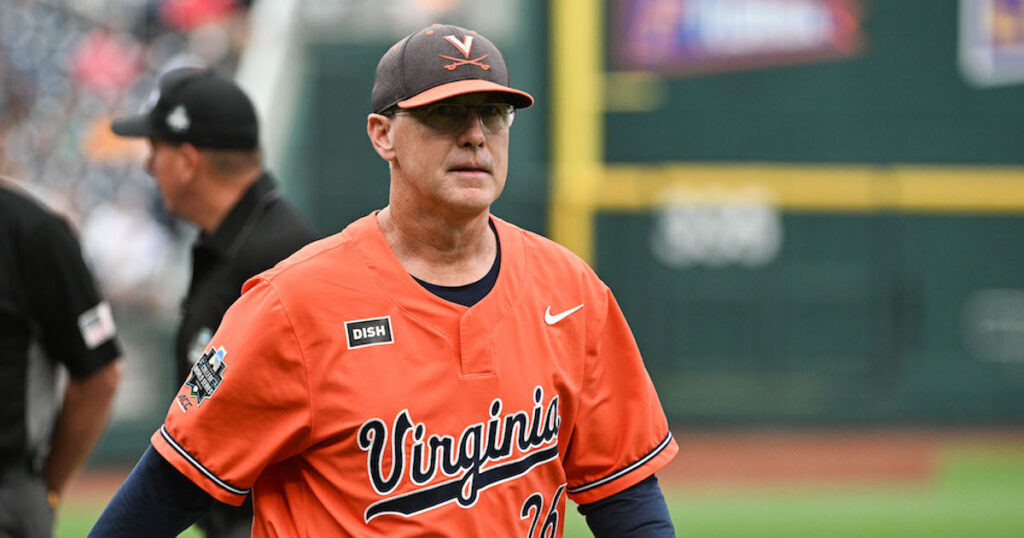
x=431, y=370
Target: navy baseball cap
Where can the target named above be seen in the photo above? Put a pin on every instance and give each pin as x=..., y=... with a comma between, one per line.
x=439, y=62
x=195, y=106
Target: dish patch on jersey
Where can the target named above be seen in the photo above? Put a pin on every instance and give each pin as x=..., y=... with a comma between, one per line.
x=369, y=332
x=207, y=374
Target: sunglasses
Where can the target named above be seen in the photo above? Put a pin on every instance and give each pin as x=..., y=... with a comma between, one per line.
x=450, y=117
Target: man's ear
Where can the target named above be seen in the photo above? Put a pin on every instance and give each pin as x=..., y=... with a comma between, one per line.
x=379, y=129
x=191, y=159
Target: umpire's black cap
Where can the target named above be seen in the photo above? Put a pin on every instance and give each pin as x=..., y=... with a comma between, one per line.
x=439, y=62
x=196, y=106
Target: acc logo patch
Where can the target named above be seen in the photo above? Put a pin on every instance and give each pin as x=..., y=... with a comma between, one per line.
x=369, y=332
x=207, y=374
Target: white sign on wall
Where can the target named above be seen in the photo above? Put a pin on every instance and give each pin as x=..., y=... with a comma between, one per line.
x=716, y=227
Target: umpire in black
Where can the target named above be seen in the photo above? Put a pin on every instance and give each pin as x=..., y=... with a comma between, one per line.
x=50, y=314
x=204, y=153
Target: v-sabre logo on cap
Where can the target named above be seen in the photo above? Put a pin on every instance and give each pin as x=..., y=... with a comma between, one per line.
x=464, y=47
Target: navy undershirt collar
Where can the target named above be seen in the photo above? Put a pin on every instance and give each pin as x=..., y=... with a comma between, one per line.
x=469, y=294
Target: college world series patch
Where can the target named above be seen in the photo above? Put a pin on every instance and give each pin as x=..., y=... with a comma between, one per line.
x=207, y=374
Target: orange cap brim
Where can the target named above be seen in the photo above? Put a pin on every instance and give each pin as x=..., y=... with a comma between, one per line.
x=518, y=99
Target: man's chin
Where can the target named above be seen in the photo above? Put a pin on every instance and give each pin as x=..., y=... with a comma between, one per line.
x=471, y=207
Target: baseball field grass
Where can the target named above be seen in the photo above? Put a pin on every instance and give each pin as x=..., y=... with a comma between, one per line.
x=974, y=489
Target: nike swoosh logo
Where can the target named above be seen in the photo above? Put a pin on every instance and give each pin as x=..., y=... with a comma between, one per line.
x=553, y=319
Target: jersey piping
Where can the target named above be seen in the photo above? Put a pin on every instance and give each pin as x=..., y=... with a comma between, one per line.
x=199, y=466
x=626, y=470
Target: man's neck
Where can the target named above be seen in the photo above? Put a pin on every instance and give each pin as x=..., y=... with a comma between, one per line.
x=219, y=196
x=439, y=251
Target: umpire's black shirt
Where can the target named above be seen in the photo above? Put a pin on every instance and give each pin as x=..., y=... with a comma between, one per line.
x=50, y=312
x=261, y=230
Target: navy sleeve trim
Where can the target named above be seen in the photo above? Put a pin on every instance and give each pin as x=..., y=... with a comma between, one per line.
x=628, y=469
x=199, y=466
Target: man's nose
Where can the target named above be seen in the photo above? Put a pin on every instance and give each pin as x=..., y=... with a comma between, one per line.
x=473, y=127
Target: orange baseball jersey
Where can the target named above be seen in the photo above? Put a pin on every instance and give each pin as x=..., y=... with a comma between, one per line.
x=351, y=401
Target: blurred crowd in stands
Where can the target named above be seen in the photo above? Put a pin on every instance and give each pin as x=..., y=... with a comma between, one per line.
x=66, y=68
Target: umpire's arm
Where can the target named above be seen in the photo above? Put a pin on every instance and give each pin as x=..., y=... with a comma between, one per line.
x=82, y=418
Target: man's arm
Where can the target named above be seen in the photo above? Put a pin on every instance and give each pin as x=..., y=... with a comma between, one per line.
x=639, y=511
x=75, y=327
x=81, y=421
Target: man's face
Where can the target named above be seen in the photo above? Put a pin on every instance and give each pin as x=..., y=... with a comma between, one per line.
x=167, y=165
x=448, y=163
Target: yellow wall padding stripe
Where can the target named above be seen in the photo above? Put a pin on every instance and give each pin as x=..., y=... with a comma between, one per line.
x=822, y=188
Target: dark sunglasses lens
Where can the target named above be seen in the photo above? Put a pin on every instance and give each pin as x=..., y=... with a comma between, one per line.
x=452, y=116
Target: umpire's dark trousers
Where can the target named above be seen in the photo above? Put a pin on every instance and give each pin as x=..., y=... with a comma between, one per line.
x=24, y=510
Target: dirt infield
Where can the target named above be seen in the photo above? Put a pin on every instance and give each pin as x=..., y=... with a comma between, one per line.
x=810, y=457
x=739, y=458
x=94, y=487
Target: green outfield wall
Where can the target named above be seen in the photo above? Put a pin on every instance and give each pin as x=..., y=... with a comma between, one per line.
x=830, y=237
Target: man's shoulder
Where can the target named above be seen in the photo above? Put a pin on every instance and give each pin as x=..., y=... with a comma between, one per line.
x=15, y=201
x=24, y=213
x=334, y=256
x=540, y=249
x=281, y=222
x=276, y=234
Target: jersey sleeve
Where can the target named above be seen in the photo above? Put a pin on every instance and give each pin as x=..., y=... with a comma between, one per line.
x=245, y=404
x=76, y=326
x=621, y=435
